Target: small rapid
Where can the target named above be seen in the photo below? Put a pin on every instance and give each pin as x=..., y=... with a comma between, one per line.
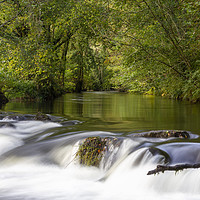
x=38, y=162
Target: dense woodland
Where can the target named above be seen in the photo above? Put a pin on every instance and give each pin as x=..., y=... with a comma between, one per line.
x=50, y=47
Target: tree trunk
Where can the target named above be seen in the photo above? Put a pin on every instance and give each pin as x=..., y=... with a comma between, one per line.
x=64, y=59
x=3, y=99
x=79, y=84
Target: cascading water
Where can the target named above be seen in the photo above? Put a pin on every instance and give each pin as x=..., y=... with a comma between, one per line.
x=37, y=163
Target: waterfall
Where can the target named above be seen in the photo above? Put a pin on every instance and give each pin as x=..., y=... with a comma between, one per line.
x=36, y=164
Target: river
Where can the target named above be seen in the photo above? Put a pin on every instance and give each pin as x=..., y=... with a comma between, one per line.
x=37, y=158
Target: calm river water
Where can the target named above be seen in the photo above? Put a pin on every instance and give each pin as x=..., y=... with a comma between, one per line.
x=118, y=112
x=37, y=158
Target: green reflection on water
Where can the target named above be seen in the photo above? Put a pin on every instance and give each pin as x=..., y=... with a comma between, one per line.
x=119, y=112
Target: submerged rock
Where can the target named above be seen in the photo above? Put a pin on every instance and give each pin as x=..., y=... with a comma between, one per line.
x=39, y=116
x=70, y=122
x=14, y=117
x=164, y=134
x=42, y=117
x=6, y=125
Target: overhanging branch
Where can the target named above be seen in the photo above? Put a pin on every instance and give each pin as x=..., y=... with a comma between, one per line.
x=156, y=59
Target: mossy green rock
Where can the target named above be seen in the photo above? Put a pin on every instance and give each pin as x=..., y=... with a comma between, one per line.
x=42, y=117
x=164, y=134
x=91, y=151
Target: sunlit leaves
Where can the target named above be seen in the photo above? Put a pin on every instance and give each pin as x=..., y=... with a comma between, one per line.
x=162, y=42
x=52, y=46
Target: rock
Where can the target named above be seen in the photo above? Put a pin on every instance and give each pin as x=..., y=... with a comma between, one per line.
x=15, y=117
x=164, y=134
x=70, y=123
x=42, y=117
x=29, y=116
x=7, y=124
x=92, y=150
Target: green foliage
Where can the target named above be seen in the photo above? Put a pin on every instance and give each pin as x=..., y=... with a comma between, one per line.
x=46, y=39
x=51, y=47
x=162, y=41
x=191, y=89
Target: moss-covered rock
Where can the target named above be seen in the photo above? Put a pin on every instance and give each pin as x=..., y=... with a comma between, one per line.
x=164, y=134
x=42, y=117
x=92, y=150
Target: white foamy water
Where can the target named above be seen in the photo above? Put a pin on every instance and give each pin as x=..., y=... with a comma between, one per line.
x=48, y=170
x=25, y=129
x=8, y=142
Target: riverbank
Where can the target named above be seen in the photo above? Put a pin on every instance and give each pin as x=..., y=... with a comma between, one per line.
x=151, y=93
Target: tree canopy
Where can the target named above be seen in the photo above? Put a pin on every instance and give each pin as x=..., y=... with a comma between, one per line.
x=52, y=47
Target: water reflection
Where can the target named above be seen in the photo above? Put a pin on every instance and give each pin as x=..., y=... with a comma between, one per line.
x=120, y=112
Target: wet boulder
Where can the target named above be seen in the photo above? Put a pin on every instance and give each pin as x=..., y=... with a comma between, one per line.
x=164, y=134
x=14, y=117
x=42, y=117
x=70, y=123
x=6, y=125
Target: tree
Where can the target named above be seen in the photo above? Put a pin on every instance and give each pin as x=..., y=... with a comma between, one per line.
x=160, y=45
x=39, y=34
x=50, y=47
